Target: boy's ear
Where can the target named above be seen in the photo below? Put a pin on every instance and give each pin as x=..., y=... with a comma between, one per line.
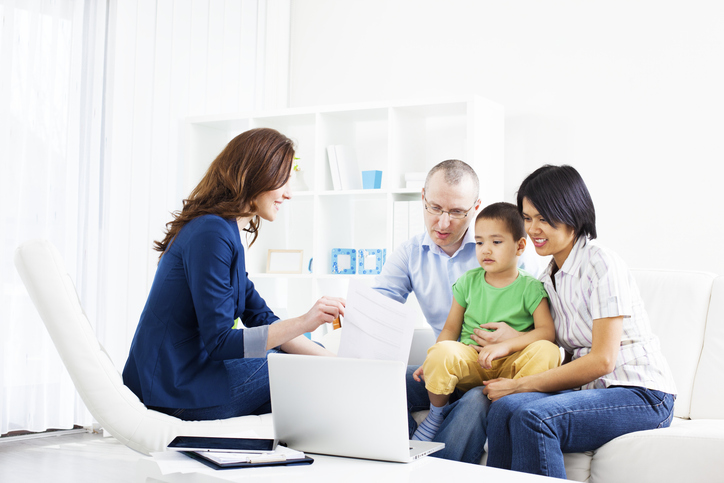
x=521, y=246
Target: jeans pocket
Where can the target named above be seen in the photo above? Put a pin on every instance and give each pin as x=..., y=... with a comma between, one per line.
x=667, y=404
x=667, y=422
x=656, y=396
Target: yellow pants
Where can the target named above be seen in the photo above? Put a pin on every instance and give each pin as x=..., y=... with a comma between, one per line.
x=450, y=364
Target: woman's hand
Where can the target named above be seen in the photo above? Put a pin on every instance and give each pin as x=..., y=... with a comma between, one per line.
x=497, y=388
x=324, y=311
x=500, y=332
x=418, y=375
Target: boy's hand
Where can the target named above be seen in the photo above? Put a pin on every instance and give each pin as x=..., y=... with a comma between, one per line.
x=487, y=354
x=500, y=332
x=418, y=375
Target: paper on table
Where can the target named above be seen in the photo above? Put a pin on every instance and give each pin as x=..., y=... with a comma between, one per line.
x=375, y=327
x=281, y=452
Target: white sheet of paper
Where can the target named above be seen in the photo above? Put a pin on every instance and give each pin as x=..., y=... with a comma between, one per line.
x=375, y=327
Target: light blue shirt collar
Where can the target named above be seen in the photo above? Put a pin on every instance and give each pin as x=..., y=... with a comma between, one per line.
x=468, y=238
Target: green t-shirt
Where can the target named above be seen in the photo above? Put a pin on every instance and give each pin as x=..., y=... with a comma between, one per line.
x=484, y=303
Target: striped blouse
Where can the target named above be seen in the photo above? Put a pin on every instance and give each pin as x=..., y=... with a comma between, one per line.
x=595, y=283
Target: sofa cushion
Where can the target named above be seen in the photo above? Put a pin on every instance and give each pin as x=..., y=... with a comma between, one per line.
x=708, y=396
x=682, y=452
x=677, y=303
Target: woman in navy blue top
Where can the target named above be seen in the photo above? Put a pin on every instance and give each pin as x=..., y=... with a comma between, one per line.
x=186, y=358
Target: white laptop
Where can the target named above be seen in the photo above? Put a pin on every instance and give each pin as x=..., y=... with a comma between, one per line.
x=343, y=407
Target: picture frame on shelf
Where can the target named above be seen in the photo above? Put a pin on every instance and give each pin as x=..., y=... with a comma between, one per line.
x=371, y=260
x=284, y=261
x=344, y=261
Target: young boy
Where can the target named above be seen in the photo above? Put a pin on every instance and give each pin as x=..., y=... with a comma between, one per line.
x=496, y=292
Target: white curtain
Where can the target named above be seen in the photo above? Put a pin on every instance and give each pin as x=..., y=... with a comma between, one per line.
x=92, y=98
x=49, y=91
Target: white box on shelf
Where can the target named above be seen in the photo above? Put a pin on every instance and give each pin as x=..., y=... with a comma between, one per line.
x=415, y=180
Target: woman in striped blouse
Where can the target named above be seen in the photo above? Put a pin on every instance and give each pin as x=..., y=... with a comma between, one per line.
x=616, y=380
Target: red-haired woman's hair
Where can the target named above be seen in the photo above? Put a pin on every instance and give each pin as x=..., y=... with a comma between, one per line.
x=254, y=162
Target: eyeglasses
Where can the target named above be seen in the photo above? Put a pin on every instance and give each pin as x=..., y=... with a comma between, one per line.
x=454, y=214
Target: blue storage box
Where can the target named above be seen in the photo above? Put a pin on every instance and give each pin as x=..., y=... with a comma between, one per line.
x=371, y=180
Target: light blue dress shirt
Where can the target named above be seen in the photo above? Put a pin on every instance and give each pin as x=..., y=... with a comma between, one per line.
x=420, y=266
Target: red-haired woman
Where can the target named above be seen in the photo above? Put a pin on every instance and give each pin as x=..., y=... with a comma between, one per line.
x=186, y=358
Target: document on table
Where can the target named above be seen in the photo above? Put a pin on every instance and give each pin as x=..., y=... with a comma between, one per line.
x=281, y=453
x=375, y=327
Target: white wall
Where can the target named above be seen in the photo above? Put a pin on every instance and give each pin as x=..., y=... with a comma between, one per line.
x=168, y=60
x=629, y=92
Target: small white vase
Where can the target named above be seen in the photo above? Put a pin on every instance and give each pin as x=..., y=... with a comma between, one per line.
x=297, y=182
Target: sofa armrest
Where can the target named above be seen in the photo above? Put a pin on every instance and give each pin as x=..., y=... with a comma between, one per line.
x=422, y=340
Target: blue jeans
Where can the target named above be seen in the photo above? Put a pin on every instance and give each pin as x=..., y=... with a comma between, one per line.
x=249, y=384
x=529, y=432
x=464, y=428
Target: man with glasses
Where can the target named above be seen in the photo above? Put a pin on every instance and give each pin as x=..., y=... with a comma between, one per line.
x=428, y=264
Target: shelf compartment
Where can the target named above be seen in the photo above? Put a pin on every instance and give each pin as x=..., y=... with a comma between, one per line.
x=424, y=135
x=354, y=221
x=365, y=131
x=292, y=230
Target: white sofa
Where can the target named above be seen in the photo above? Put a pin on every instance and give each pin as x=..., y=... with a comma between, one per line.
x=686, y=310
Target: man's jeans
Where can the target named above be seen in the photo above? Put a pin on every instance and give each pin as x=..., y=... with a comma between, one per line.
x=464, y=428
x=529, y=432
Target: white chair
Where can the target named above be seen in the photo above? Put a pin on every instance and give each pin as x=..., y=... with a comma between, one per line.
x=96, y=379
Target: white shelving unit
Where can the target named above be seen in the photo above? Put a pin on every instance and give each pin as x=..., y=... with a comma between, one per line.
x=395, y=138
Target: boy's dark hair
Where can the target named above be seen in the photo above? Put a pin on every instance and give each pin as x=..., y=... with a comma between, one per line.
x=507, y=213
x=560, y=196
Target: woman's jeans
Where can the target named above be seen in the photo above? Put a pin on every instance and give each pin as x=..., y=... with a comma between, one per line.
x=529, y=432
x=249, y=384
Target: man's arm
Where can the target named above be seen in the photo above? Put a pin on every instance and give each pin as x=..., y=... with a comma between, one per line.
x=394, y=281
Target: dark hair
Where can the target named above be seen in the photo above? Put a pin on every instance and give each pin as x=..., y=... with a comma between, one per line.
x=454, y=171
x=507, y=213
x=254, y=162
x=560, y=196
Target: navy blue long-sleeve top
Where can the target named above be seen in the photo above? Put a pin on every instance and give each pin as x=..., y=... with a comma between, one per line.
x=185, y=333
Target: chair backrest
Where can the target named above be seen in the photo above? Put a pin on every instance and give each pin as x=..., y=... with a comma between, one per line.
x=677, y=303
x=94, y=375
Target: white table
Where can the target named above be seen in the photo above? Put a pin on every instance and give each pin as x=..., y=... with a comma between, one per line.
x=331, y=469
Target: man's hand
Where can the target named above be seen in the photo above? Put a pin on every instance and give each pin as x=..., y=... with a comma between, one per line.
x=500, y=332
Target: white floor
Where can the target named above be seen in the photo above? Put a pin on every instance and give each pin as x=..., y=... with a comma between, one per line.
x=76, y=458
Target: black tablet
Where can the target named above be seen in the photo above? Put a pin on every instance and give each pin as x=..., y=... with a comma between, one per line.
x=227, y=445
